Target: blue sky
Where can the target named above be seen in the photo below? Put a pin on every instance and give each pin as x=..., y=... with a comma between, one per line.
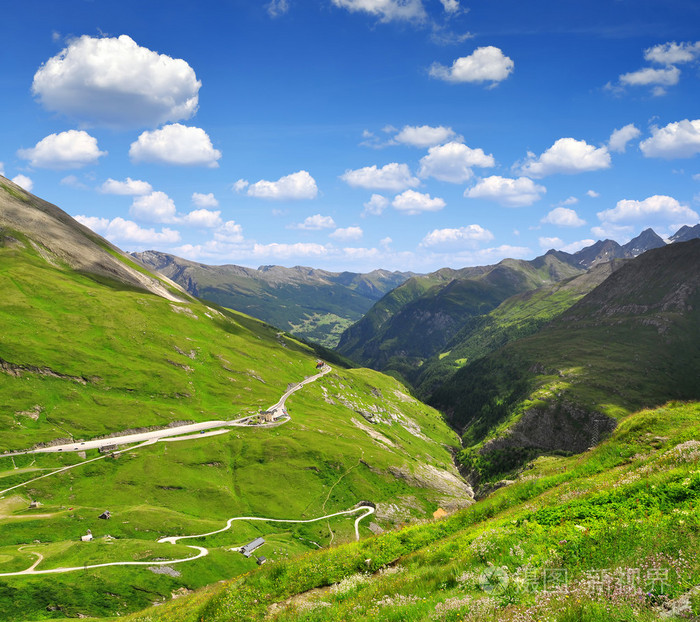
x=356, y=134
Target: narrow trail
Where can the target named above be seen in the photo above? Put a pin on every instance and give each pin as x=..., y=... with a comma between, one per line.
x=201, y=551
x=328, y=496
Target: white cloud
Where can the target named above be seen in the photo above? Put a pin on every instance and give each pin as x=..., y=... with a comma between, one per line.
x=485, y=64
x=468, y=236
x=360, y=253
x=450, y=6
x=563, y=217
x=412, y=202
x=550, y=242
x=120, y=230
x=115, y=82
x=677, y=140
x=204, y=200
x=506, y=191
x=299, y=185
x=129, y=186
x=285, y=251
x=347, y=233
x=376, y=205
x=567, y=156
x=385, y=242
x=240, y=185
x=652, y=210
x=71, y=149
x=315, y=223
x=673, y=53
x=593, y=194
x=177, y=145
x=275, y=8
x=394, y=177
x=2, y=169
x=452, y=162
x=424, y=135
x=154, y=207
x=619, y=138
x=577, y=246
x=569, y=201
x=230, y=232
x=24, y=182
x=386, y=10
x=202, y=218
x=668, y=76
x=72, y=181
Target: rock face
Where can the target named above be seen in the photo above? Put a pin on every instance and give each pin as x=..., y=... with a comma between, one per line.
x=560, y=426
x=60, y=239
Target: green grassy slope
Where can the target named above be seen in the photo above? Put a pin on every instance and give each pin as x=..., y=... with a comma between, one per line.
x=418, y=319
x=518, y=316
x=632, y=342
x=84, y=355
x=609, y=535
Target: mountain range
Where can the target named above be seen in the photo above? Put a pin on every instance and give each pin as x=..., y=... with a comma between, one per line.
x=315, y=304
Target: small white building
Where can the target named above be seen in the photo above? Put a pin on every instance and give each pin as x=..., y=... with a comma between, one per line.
x=86, y=538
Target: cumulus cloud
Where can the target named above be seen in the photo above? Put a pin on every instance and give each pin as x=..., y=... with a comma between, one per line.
x=121, y=230
x=568, y=156
x=175, y=144
x=23, y=182
x=386, y=10
x=299, y=185
x=485, y=64
x=666, y=76
x=563, y=217
x=550, y=242
x=677, y=140
x=508, y=192
x=468, y=236
x=453, y=162
x=2, y=169
x=154, y=207
x=393, y=177
x=230, y=233
x=412, y=202
x=115, y=82
x=424, y=135
x=376, y=205
x=673, y=53
x=652, y=210
x=593, y=194
x=202, y=218
x=71, y=149
x=72, y=181
x=315, y=223
x=450, y=6
x=132, y=187
x=204, y=200
x=347, y=233
x=619, y=138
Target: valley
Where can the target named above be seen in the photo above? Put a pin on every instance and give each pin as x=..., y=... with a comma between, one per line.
x=149, y=436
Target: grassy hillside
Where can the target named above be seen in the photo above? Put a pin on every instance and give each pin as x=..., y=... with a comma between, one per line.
x=634, y=341
x=418, y=319
x=609, y=535
x=315, y=304
x=84, y=355
x=518, y=316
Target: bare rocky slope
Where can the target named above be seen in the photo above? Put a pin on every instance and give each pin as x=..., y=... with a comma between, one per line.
x=61, y=239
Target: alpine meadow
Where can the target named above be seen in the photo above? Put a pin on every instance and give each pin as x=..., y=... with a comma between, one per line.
x=350, y=310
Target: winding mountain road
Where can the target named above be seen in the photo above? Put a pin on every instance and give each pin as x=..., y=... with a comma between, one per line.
x=179, y=433
x=201, y=551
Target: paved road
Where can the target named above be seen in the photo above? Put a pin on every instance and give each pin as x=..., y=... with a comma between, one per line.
x=181, y=430
x=201, y=551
